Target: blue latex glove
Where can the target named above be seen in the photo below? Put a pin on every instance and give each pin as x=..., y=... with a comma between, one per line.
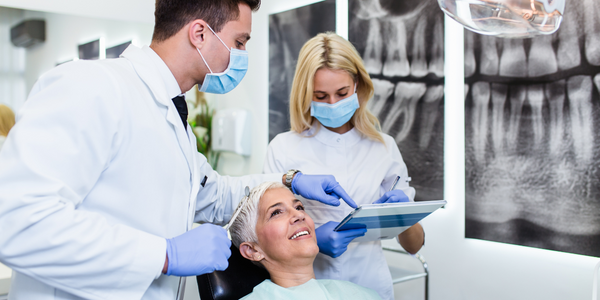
x=323, y=188
x=392, y=197
x=201, y=250
x=335, y=243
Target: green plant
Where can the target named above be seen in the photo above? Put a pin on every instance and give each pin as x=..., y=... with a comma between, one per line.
x=200, y=118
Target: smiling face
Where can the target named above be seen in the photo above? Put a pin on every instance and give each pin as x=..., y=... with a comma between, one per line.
x=286, y=234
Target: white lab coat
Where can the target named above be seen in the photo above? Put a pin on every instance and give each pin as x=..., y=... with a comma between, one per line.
x=97, y=172
x=366, y=169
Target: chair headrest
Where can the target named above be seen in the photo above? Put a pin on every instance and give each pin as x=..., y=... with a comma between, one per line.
x=237, y=281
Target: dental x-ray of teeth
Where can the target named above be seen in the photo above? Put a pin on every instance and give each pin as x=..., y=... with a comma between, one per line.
x=402, y=45
x=288, y=31
x=533, y=136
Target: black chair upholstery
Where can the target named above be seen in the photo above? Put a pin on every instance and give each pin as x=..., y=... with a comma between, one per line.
x=235, y=282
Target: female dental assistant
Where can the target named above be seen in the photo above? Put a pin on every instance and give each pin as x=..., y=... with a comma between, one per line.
x=333, y=132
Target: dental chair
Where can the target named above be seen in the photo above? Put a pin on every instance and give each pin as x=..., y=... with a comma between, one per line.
x=235, y=282
x=242, y=276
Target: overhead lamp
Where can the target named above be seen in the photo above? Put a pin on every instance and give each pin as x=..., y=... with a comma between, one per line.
x=506, y=18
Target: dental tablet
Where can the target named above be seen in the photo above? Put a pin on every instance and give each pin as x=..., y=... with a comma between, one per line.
x=387, y=220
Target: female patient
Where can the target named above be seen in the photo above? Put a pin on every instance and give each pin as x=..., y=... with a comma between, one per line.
x=273, y=230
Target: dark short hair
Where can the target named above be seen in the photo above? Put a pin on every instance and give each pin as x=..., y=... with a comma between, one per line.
x=171, y=15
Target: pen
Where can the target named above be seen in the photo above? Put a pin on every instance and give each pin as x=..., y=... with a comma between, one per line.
x=394, y=184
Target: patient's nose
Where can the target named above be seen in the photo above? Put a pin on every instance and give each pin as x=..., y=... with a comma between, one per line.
x=297, y=216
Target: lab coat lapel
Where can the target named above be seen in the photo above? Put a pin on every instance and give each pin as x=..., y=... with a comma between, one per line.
x=149, y=74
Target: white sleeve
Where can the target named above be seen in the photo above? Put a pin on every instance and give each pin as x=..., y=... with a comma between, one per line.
x=397, y=168
x=220, y=195
x=50, y=161
x=275, y=160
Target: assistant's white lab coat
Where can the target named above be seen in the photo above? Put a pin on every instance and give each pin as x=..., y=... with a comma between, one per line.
x=366, y=169
x=97, y=172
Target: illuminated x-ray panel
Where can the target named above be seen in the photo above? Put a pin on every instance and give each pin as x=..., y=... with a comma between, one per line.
x=532, y=136
x=402, y=45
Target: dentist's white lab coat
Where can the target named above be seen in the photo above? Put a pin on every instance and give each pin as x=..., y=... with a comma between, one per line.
x=366, y=169
x=97, y=172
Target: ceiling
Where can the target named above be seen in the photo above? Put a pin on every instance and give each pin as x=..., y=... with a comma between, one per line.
x=128, y=10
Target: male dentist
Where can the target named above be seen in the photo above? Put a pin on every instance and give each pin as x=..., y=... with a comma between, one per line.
x=100, y=180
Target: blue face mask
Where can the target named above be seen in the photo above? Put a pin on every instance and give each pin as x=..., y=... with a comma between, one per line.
x=226, y=81
x=337, y=114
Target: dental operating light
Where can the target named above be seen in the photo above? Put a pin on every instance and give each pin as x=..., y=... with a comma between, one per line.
x=506, y=18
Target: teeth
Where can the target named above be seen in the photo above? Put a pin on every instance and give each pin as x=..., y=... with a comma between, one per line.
x=481, y=98
x=470, y=64
x=436, y=64
x=592, y=31
x=383, y=89
x=406, y=97
x=517, y=97
x=499, y=92
x=535, y=95
x=579, y=89
x=396, y=61
x=431, y=105
x=418, y=65
x=370, y=9
x=512, y=61
x=542, y=60
x=568, y=45
x=555, y=93
x=373, y=51
x=489, y=56
x=466, y=90
x=299, y=234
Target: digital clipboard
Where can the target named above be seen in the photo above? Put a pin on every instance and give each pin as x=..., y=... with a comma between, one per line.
x=387, y=220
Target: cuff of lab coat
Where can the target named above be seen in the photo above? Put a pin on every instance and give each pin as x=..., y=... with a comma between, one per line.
x=146, y=267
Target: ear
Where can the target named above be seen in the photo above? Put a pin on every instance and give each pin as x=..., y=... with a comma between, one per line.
x=250, y=251
x=197, y=33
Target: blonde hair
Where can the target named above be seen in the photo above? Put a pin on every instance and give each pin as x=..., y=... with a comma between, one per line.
x=7, y=119
x=331, y=51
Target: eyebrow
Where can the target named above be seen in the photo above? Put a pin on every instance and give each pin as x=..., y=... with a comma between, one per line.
x=336, y=91
x=279, y=204
x=245, y=36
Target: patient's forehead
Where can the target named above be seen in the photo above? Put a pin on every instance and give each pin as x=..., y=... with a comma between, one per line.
x=274, y=196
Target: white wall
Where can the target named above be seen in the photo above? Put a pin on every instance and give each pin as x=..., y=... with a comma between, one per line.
x=460, y=268
x=65, y=32
x=128, y=10
x=12, y=62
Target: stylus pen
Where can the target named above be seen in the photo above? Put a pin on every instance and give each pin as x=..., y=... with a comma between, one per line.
x=394, y=184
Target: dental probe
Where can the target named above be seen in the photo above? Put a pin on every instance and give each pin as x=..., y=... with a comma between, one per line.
x=239, y=208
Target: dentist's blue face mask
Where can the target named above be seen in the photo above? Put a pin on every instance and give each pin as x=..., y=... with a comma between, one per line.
x=337, y=114
x=224, y=82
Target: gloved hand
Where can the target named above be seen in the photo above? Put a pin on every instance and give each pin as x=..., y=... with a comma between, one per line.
x=335, y=243
x=201, y=250
x=392, y=197
x=323, y=188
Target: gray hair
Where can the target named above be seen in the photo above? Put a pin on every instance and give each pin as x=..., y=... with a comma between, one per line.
x=243, y=228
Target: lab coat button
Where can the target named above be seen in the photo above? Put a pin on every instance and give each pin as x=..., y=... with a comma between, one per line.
x=339, y=140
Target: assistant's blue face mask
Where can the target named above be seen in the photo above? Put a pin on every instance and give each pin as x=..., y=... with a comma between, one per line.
x=226, y=81
x=337, y=114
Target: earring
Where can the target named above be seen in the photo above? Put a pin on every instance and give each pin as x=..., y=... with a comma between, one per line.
x=258, y=257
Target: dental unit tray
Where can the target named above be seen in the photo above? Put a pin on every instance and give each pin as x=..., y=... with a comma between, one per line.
x=387, y=220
